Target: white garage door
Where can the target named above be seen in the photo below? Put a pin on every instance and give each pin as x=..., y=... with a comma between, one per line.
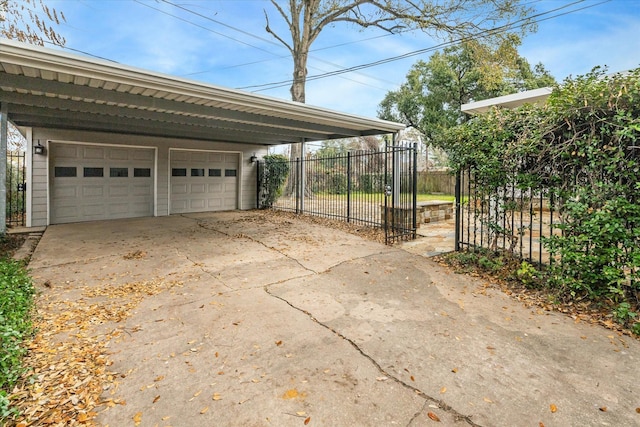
x=93, y=182
x=203, y=181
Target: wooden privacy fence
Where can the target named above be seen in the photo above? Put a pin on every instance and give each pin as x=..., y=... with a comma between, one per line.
x=436, y=182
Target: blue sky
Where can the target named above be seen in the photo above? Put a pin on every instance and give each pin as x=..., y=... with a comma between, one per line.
x=232, y=48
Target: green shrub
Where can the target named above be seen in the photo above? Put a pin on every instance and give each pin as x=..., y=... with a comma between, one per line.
x=275, y=171
x=16, y=304
x=337, y=182
x=527, y=275
x=582, y=147
x=372, y=183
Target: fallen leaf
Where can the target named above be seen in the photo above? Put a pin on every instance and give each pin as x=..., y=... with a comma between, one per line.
x=454, y=370
x=412, y=379
x=540, y=424
x=204, y=410
x=290, y=394
x=553, y=408
x=137, y=418
x=307, y=420
x=486, y=399
x=155, y=399
x=301, y=413
x=443, y=390
x=603, y=408
x=278, y=343
x=433, y=416
x=165, y=418
x=382, y=378
x=160, y=378
x=197, y=393
x=638, y=410
x=82, y=417
x=216, y=396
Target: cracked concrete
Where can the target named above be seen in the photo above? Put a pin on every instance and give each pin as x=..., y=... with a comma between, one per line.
x=280, y=322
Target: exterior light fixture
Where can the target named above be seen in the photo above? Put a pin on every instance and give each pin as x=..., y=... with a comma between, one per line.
x=39, y=149
x=253, y=158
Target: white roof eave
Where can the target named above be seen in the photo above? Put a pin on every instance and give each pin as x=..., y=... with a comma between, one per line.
x=515, y=100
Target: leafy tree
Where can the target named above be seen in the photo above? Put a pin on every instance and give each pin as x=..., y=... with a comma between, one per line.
x=431, y=98
x=30, y=21
x=445, y=19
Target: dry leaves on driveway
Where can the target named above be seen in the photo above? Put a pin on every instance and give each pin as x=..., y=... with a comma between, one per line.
x=68, y=358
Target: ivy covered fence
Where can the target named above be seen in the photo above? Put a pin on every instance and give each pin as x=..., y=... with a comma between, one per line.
x=581, y=153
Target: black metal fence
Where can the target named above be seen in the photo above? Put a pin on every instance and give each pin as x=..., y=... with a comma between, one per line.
x=506, y=218
x=373, y=188
x=16, y=189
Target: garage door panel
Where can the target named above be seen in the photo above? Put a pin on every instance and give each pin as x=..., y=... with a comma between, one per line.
x=118, y=192
x=141, y=207
x=67, y=152
x=197, y=204
x=66, y=192
x=203, y=188
x=143, y=155
x=118, y=208
x=179, y=189
x=180, y=155
x=142, y=190
x=214, y=188
x=215, y=157
x=93, y=153
x=93, y=209
x=116, y=154
x=93, y=191
x=198, y=188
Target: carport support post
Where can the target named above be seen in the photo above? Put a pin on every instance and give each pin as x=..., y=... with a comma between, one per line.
x=397, y=167
x=3, y=166
x=303, y=180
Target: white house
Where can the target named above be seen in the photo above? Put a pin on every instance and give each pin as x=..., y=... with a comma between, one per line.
x=109, y=141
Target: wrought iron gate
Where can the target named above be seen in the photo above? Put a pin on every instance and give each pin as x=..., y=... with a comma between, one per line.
x=375, y=188
x=401, y=187
x=16, y=189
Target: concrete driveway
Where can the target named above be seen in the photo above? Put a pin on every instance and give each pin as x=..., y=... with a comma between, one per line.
x=261, y=320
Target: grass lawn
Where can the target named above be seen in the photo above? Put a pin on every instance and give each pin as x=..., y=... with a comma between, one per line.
x=443, y=197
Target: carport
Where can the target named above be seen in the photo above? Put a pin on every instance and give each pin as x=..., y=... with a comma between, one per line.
x=107, y=141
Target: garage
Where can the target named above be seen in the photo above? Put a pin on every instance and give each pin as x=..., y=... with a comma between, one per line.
x=108, y=141
x=203, y=181
x=97, y=182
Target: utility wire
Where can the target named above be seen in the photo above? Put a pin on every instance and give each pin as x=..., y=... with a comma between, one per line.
x=256, y=37
x=482, y=34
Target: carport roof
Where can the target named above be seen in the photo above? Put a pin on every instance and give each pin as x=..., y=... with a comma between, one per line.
x=54, y=89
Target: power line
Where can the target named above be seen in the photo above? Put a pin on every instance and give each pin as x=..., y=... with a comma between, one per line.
x=480, y=35
x=258, y=38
